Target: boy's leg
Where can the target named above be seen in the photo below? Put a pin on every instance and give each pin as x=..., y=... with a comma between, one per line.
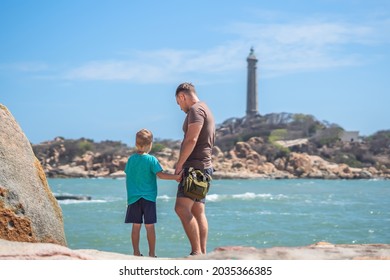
x=151, y=235
x=150, y=217
x=134, y=216
x=135, y=236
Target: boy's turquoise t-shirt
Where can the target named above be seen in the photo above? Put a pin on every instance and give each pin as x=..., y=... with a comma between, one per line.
x=141, y=181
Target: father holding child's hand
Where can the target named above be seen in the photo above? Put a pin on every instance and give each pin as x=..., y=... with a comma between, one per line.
x=195, y=152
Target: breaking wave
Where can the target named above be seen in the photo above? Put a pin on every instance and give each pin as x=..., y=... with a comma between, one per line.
x=243, y=196
x=74, y=201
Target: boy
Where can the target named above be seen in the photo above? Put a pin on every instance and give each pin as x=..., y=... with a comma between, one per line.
x=141, y=184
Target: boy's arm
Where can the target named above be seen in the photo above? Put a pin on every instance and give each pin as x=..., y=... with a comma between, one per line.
x=166, y=176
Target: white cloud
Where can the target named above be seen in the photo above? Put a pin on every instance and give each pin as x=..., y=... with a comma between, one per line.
x=282, y=48
x=308, y=33
x=307, y=45
x=160, y=65
x=25, y=66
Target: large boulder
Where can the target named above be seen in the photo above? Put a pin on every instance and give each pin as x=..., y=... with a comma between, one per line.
x=29, y=211
x=242, y=149
x=299, y=164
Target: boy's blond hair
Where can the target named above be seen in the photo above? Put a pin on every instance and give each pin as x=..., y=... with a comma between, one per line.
x=143, y=140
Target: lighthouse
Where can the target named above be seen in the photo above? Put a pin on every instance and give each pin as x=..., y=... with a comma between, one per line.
x=252, y=94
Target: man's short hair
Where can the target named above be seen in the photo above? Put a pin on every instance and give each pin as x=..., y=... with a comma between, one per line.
x=187, y=88
x=143, y=138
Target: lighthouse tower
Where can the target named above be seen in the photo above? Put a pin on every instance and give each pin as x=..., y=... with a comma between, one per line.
x=252, y=94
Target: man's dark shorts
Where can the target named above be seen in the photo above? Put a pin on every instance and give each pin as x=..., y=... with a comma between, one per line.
x=140, y=211
x=180, y=188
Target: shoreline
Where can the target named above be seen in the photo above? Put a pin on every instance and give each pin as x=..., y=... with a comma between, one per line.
x=232, y=176
x=297, y=166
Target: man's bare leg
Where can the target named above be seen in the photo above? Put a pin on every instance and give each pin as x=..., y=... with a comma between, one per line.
x=183, y=209
x=198, y=210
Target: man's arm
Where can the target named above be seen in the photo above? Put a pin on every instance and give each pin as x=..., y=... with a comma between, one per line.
x=188, y=145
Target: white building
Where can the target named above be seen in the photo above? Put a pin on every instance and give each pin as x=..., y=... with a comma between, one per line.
x=350, y=136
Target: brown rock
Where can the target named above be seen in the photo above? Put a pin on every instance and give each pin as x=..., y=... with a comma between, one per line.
x=73, y=171
x=242, y=149
x=28, y=210
x=373, y=171
x=280, y=163
x=237, y=165
x=255, y=141
x=122, y=163
x=300, y=164
x=266, y=168
x=217, y=153
x=255, y=157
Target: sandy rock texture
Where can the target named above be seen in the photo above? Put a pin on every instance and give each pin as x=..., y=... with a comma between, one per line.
x=318, y=251
x=10, y=250
x=28, y=210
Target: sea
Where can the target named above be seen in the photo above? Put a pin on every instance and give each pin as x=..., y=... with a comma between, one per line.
x=256, y=212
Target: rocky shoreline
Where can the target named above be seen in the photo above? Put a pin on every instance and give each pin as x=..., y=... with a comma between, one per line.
x=241, y=162
x=31, y=221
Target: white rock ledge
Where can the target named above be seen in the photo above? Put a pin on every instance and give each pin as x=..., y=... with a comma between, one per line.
x=10, y=250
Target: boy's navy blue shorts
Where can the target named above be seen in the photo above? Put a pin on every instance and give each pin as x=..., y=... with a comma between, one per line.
x=141, y=211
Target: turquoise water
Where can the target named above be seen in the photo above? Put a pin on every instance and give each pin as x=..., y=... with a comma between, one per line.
x=258, y=213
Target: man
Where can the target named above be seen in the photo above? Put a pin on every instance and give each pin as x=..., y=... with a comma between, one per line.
x=196, y=150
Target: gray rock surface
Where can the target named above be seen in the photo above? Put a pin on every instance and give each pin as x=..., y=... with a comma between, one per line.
x=28, y=210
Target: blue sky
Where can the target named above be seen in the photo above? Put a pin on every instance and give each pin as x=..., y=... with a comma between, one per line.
x=105, y=69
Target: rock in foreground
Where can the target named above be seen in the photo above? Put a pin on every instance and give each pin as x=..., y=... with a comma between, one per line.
x=318, y=251
x=28, y=210
x=10, y=250
x=321, y=251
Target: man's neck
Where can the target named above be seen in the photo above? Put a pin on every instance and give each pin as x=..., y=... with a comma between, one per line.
x=194, y=100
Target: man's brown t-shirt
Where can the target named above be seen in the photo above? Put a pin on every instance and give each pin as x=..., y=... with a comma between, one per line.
x=200, y=157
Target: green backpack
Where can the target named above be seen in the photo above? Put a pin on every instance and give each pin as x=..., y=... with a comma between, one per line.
x=196, y=184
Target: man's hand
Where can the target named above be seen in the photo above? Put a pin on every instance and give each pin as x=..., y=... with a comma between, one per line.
x=179, y=171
